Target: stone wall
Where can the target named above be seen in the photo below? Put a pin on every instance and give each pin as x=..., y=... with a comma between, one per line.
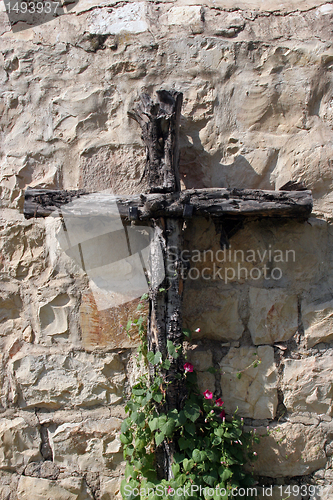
x=258, y=112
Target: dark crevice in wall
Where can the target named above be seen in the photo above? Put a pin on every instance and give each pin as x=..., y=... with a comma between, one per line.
x=45, y=447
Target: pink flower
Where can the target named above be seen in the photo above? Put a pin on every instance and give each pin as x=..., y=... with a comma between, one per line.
x=219, y=402
x=188, y=367
x=121, y=326
x=222, y=414
x=255, y=453
x=170, y=490
x=198, y=330
x=208, y=394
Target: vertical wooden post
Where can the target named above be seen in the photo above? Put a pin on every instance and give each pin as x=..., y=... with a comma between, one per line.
x=159, y=122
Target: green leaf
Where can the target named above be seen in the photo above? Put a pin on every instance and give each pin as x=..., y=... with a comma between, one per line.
x=154, y=359
x=166, y=364
x=196, y=455
x=158, y=397
x=188, y=464
x=239, y=375
x=182, y=418
x=192, y=411
x=125, y=425
x=126, y=438
x=226, y=474
x=159, y=438
x=187, y=333
x=138, y=391
x=190, y=428
x=219, y=432
x=210, y=478
x=154, y=424
x=175, y=469
x=183, y=443
x=168, y=428
x=145, y=296
x=172, y=350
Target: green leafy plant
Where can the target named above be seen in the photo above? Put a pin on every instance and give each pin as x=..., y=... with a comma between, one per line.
x=211, y=451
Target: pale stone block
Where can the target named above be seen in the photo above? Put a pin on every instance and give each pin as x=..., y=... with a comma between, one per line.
x=318, y=323
x=43, y=489
x=307, y=384
x=19, y=443
x=255, y=392
x=88, y=446
x=214, y=311
x=130, y=18
x=289, y=450
x=189, y=16
x=55, y=380
x=110, y=488
x=273, y=315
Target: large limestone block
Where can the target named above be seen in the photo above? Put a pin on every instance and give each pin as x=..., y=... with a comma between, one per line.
x=318, y=323
x=273, y=315
x=255, y=392
x=110, y=488
x=307, y=384
x=290, y=450
x=19, y=443
x=106, y=328
x=214, y=311
x=88, y=446
x=58, y=380
x=129, y=18
x=189, y=16
x=72, y=488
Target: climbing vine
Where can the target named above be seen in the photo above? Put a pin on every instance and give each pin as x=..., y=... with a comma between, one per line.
x=211, y=450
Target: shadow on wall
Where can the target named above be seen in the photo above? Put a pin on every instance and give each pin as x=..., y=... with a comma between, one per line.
x=225, y=168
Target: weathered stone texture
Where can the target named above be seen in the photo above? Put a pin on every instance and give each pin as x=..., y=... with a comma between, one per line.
x=257, y=113
x=58, y=380
x=91, y=445
x=19, y=442
x=307, y=384
x=273, y=315
x=318, y=323
x=290, y=450
x=254, y=390
x=72, y=488
x=216, y=314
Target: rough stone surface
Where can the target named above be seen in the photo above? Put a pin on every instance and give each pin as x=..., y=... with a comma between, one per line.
x=55, y=380
x=318, y=323
x=290, y=450
x=19, y=443
x=253, y=391
x=91, y=445
x=43, y=489
x=273, y=316
x=306, y=384
x=257, y=113
x=216, y=314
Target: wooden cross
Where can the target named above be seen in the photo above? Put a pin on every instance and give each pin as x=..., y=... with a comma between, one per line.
x=166, y=208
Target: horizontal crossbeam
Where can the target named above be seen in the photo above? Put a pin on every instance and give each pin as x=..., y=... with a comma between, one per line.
x=184, y=204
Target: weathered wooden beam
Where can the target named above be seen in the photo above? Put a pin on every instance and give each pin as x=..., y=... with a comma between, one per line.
x=205, y=202
x=159, y=122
